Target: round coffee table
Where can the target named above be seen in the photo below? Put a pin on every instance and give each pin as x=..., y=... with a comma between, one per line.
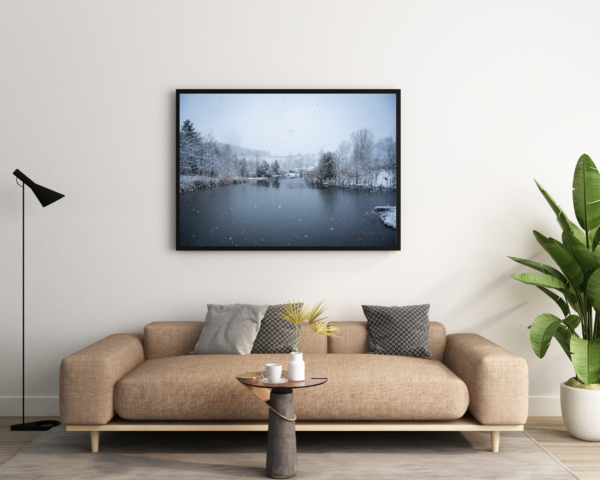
x=281, y=448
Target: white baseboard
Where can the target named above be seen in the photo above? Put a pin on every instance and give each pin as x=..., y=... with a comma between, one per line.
x=36, y=406
x=544, y=407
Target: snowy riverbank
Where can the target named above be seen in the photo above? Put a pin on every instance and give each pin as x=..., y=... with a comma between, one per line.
x=189, y=183
x=387, y=215
x=385, y=179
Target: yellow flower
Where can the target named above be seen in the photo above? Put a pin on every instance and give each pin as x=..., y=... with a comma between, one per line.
x=315, y=314
x=324, y=328
x=295, y=312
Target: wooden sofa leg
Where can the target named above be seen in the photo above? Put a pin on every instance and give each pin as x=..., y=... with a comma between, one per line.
x=495, y=441
x=95, y=436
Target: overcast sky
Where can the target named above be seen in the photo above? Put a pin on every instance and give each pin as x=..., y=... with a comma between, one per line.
x=283, y=123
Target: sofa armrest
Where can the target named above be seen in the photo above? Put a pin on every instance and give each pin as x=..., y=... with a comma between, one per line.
x=88, y=378
x=497, y=379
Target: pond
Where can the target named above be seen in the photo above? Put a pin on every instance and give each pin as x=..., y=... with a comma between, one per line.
x=284, y=213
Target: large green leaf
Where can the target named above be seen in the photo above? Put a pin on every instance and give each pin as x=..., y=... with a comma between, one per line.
x=586, y=359
x=572, y=298
x=572, y=321
x=563, y=336
x=597, y=255
x=564, y=260
x=548, y=281
x=557, y=211
x=593, y=289
x=540, y=268
x=595, y=238
x=540, y=280
x=582, y=255
x=542, y=331
x=559, y=301
x=586, y=193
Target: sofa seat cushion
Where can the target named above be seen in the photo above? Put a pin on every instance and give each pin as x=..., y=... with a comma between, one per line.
x=360, y=387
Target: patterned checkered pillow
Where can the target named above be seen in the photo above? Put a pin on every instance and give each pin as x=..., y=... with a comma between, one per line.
x=276, y=335
x=398, y=330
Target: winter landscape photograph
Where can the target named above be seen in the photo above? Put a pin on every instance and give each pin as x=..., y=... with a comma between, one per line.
x=292, y=170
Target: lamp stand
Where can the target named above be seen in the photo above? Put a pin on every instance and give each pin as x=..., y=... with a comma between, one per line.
x=40, y=425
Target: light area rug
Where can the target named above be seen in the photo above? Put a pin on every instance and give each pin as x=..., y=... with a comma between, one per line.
x=331, y=455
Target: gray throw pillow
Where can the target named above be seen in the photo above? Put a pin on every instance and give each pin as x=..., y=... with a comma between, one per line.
x=230, y=329
x=276, y=335
x=398, y=330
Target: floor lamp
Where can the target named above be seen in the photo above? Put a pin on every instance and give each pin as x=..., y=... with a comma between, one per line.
x=46, y=197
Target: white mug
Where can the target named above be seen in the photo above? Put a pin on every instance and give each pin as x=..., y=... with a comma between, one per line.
x=273, y=372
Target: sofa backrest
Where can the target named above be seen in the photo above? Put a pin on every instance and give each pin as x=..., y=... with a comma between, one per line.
x=353, y=339
x=170, y=339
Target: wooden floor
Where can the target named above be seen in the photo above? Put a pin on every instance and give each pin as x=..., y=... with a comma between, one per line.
x=11, y=442
x=581, y=457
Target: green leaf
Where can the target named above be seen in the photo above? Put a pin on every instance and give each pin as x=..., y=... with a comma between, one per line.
x=541, y=268
x=572, y=321
x=584, y=257
x=539, y=280
x=564, y=260
x=595, y=340
x=595, y=236
x=597, y=255
x=593, y=289
x=586, y=359
x=571, y=297
x=560, y=302
x=542, y=331
x=586, y=193
x=557, y=211
x=547, y=281
x=563, y=336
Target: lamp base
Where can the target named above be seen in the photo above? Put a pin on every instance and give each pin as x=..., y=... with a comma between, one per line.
x=38, y=426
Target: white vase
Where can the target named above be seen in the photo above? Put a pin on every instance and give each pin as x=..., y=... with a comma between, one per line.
x=296, y=368
x=581, y=412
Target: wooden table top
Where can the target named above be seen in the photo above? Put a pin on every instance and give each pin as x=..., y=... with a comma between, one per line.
x=311, y=379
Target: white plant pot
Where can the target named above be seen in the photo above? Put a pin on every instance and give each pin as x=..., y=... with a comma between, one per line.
x=581, y=412
x=296, y=368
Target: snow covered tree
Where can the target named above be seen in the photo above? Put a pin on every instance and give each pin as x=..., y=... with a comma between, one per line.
x=211, y=156
x=275, y=167
x=187, y=130
x=262, y=168
x=326, y=167
x=362, y=152
x=265, y=167
x=243, y=166
x=190, y=147
x=226, y=166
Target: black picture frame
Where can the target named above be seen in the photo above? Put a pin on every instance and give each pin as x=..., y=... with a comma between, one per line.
x=396, y=247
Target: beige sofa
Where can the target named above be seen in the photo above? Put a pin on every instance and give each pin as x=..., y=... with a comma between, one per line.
x=152, y=383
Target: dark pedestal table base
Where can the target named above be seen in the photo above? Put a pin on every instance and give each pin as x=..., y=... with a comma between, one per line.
x=281, y=449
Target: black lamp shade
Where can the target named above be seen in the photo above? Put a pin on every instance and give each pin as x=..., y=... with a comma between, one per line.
x=43, y=194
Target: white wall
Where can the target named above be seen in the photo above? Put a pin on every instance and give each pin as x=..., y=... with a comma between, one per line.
x=493, y=95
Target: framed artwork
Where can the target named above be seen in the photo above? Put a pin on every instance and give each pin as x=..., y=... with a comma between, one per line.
x=288, y=170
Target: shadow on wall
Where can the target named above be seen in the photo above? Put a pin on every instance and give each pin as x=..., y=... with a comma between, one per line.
x=448, y=284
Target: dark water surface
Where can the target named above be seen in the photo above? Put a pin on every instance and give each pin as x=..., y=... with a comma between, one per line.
x=283, y=212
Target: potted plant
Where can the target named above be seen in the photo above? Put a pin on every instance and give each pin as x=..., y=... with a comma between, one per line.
x=298, y=313
x=576, y=291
